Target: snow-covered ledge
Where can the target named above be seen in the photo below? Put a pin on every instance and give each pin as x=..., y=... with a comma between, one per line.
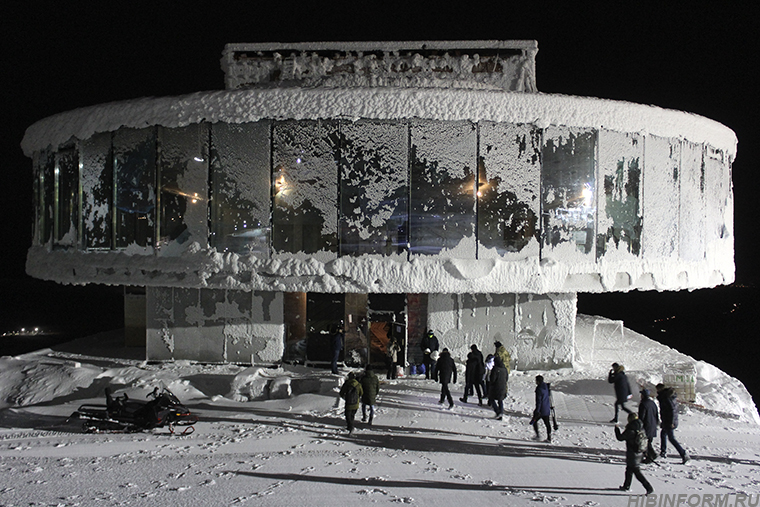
x=240, y=106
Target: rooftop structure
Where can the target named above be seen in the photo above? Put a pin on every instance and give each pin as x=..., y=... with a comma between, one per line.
x=392, y=186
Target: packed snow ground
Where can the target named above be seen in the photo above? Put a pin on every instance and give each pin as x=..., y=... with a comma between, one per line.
x=292, y=449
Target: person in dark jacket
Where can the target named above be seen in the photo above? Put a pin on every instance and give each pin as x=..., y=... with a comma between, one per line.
x=351, y=408
x=473, y=374
x=668, y=401
x=337, y=346
x=445, y=371
x=370, y=387
x=429, y=344
x=506, y=358
x=649, y=417
x=498, y=387
x=622, y=389
x=632, y=454
x=543, y=408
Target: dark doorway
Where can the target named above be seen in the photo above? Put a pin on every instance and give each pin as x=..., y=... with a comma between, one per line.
x=387, y=318
x=323, y=313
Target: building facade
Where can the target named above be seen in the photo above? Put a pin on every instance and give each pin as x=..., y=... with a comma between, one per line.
x=394, y=187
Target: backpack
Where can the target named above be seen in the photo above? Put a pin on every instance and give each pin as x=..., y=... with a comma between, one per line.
x=352, y=395
x=641, y=441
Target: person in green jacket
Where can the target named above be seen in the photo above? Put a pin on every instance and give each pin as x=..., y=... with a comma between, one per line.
x=352, y=393
x=370, y=387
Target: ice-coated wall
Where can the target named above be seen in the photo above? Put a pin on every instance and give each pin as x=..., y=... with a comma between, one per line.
x=505, y=65
x=537, y=330
x=214, y=325
x=386, y=206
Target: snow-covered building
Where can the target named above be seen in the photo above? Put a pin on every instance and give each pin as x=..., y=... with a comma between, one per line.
x=394, y=186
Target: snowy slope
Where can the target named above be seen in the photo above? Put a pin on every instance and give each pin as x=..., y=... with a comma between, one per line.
x=293, y=450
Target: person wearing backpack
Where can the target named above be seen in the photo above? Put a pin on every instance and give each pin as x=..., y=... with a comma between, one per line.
x=497, y=389
x=351, y=392
x=649, y=417
x=635, y=445
x=370, y=386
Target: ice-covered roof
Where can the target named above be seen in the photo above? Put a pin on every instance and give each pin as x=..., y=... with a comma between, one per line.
x=240, y=106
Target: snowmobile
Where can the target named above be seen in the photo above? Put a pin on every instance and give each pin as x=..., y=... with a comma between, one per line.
x=123, y=414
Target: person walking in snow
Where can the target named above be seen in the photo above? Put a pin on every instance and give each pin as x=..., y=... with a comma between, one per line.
x=543, y=408
x=506, y=358
x=429, y=344
x=370, y=387
x=392, y=358
x=445, y=371
x=497, y=389
x=632, y=454
x=337, y=347
x=473, y=374
x=622, y=389
x=668, y=400
x=649, y=417
x=351, y=392
x=487, y=377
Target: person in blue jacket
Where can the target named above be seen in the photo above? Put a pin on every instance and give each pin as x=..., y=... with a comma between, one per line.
x=543, y=408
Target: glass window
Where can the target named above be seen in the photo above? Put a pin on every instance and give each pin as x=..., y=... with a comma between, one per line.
x=718, y=200
x=44, y=166
x=568, y=187
x=305, y=181
x=134, y=154
x=443, y=161
x=97, y=191
x=240, y=187
x=183, y=182
x=66, y=197
x=691, y=211
x=508, y=189
x=620, y=216
x=660, y=194
x=374, y=188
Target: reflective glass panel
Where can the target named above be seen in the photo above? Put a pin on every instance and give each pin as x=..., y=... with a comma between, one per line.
x=568, y=189
x=508, y=189
x=660, y=195
x=44, y=166
x=97, y=191
x=183, y=182
x=240, y=186
x=134, y=154
x=443, y=161
x=305, y=186
x=691, y=210
x=374, y=188
x=621, y=157
x=66, y=197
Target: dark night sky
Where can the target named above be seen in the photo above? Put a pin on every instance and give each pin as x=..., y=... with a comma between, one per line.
x=693, y=56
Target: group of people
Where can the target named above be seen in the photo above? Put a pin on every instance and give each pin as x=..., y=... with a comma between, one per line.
x=362, y=392
x=488, y=378
x=641, y=428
